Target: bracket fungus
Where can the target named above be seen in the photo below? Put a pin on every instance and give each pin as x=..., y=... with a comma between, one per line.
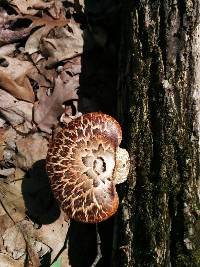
x=84, y=162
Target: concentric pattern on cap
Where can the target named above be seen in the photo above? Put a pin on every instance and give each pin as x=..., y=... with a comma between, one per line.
x=81, y=164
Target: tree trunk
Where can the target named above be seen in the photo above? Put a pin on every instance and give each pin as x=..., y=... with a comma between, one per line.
x=158, y=102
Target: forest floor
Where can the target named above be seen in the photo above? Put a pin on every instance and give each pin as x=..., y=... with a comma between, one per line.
x=57, y=58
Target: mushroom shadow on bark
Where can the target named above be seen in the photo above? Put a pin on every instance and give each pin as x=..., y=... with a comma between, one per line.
x=41, y=206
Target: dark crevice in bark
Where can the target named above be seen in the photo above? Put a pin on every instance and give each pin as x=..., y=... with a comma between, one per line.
x=155, y=95
x=177, y=216
x=142, y=34
x=162, y=34
x=182, y=11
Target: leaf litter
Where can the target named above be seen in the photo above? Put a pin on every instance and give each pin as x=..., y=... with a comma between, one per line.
x=42, y=64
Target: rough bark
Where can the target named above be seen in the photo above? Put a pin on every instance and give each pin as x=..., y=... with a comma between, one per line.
x=158, y=93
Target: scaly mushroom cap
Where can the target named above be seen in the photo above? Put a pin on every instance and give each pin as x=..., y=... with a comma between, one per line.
x=81, y=165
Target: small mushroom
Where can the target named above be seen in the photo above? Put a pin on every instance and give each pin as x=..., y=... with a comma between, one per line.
x=84, y=162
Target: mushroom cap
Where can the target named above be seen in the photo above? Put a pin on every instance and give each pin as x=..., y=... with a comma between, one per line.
x=122, y=165
x=81, y=165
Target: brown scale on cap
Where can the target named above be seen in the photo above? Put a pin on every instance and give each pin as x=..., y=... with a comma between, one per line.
x=84, y=162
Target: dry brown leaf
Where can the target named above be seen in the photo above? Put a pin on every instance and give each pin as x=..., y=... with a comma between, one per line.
x=13, y=78
x=48, y=21
x=29, y=150
x=7, y=144
x=54, y=235
x=62, y=43
x=19, y=242
x=49, y=74
x=2, y=142
x=12, y=199
x=7, y=172
x=2, y=122
x=32, y=44
x=5, y=222
x=7, y=35
x=49, y=108
x=14, y=111
x=73, y=66
x=48, y=237
x=16, y=68
x=30, y=248
x=57, y=9
x=54, y=7
x=20, y=92
x=30, y=7
x=14, y=243
x=42, y=4
x=39, y=76
x=7, y=49
x=7, y=261
x=18, y=175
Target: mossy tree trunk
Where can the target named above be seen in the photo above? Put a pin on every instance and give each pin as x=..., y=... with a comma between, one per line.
x=158, y=96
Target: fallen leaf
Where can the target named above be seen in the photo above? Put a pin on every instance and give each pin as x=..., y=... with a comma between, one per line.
x=2, y=142
x=48, y=238
x=5, y=222
x=62, y=43
x=14, y=111
x=54, y=235
x=14, y=242
x=2, y=122
x=19, y=240
x=13, y=79
x=33, y=255
x=18, y=175
x=7, y=145
x=7, y=35
x=7, y=172
x=49, y=108
x=32, y=44
x=20, y=92
x=7, y=49
x=40, y=248
x=73, y=66
x=57, y=10
x=7, y=261
x=49, y=74
x=30, y=150
x=30, y=7
x=12, y=199
x=49, y=21
x=16, y=68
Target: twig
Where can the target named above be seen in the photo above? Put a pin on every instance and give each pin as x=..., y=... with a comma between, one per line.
x=99, y=255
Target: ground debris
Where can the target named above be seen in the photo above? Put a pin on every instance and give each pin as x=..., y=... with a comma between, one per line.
x=52, y=69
